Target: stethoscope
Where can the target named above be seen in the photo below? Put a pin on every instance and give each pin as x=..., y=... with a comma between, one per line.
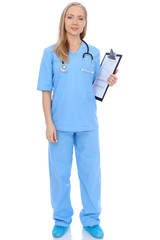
x=63, y=68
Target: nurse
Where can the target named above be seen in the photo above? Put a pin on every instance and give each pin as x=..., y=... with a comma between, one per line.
x=71, y=120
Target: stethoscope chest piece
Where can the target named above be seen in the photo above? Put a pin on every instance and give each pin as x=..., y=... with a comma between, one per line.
x=63, y=68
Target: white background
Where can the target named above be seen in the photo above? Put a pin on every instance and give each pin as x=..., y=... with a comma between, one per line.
x=128, y=118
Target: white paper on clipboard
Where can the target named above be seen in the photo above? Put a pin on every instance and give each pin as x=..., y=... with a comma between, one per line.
x=108, y=66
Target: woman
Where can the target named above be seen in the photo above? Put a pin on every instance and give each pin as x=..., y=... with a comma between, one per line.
x=70, y=116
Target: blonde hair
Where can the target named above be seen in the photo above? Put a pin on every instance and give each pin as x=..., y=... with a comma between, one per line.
x=62, y=46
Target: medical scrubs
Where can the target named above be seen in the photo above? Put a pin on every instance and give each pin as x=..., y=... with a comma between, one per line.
x=74, y=114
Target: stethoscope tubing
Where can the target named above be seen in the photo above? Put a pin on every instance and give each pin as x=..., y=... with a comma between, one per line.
x=63, y=68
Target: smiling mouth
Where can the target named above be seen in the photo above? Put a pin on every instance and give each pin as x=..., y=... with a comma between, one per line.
x=74, y=28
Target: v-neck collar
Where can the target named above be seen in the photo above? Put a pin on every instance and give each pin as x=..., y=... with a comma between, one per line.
x=74, y=54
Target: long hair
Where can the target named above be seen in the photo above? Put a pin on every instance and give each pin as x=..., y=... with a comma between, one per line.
x=62, y=46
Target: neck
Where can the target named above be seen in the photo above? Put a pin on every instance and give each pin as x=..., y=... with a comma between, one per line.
x=73, y=40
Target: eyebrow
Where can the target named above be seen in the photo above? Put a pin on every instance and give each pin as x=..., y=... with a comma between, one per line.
x=73, y=15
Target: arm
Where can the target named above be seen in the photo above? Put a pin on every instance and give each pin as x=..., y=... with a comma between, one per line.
x=50, y=128
x=46, y=102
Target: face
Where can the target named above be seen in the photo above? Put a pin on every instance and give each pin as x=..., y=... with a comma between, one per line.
x=75, y=20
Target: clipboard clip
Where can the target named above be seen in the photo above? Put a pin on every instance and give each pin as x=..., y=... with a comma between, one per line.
x=112, y=55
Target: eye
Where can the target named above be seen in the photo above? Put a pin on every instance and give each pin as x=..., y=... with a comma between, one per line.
x=81, y=19
x=69, y=17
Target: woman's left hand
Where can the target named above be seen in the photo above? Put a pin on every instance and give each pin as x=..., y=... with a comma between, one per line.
x=112, y=79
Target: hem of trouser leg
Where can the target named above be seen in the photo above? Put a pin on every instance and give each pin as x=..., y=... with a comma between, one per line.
x=61, y=224
x=87, y=224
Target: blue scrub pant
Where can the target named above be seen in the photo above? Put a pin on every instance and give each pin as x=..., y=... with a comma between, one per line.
x=87, y=153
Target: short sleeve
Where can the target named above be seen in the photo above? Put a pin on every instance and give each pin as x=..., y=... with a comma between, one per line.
x=97, y=64
x=45, y=78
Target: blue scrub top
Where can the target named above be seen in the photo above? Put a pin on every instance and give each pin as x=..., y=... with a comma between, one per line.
x=73, y=101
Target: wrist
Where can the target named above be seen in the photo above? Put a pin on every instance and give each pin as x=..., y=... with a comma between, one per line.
x=49, y=122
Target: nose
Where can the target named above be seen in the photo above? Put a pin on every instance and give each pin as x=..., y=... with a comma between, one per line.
x=75, y=20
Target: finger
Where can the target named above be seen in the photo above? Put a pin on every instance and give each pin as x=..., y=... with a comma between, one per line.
x=50, y=139
x=110, y=83
x=115, y=79
x=116, y=71
x=112, y=79
x=113, y=76
x=55, y=137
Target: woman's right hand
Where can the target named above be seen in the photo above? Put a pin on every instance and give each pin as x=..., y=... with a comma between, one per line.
x=51, y=134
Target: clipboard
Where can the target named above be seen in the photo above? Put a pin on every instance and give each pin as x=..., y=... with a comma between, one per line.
x=108, y=66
